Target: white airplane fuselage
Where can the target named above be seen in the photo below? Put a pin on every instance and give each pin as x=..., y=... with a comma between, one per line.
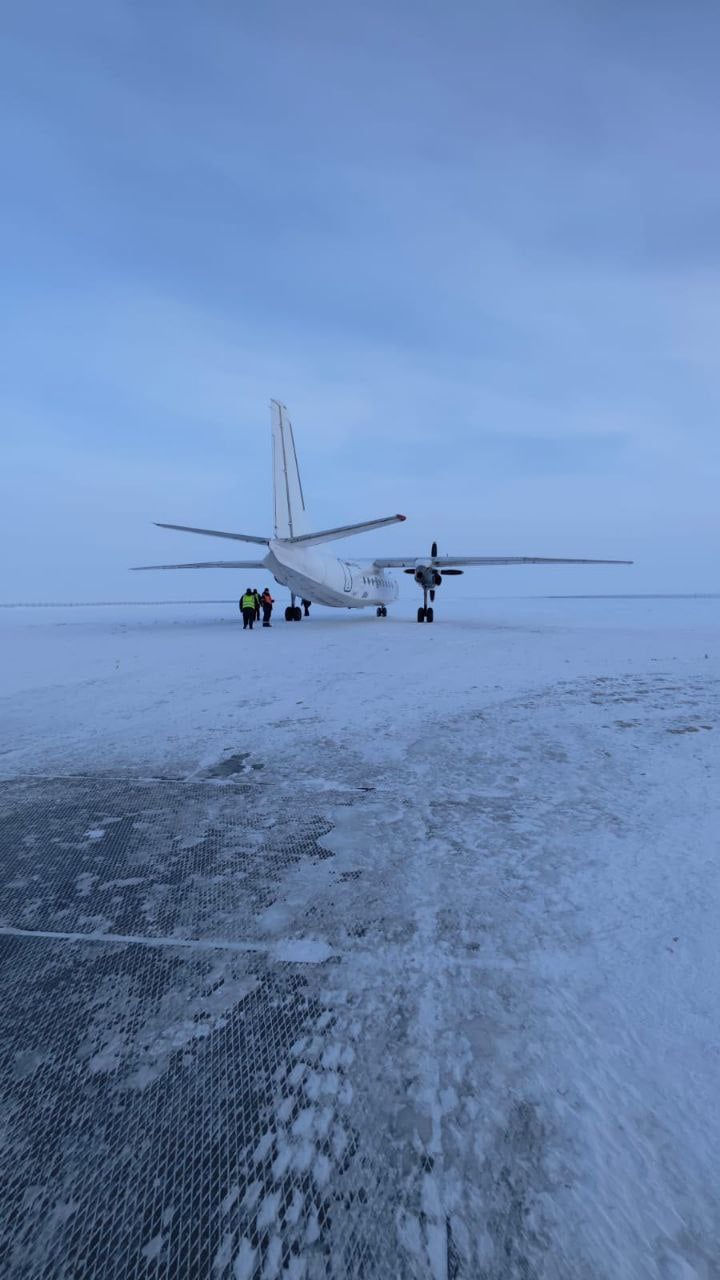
x=325, y=579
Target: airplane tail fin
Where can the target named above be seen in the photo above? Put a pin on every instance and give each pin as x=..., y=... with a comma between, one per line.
x=289, y=501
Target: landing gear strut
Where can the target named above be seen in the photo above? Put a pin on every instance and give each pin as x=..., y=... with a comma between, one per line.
x=293, y=613
x=428, y=577
x=424, y=613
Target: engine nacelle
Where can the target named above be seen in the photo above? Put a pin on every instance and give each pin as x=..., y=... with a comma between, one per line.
x=426, y=576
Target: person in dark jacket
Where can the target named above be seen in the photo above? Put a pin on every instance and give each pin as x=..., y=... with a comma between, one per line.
x=256, y=594
x=306, y=606
x=267, y=603
x=247, y=604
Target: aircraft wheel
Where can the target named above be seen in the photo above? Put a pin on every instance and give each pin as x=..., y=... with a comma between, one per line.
x=384, y=612
x=297, y=614
x=429, y=616
x=421, y=614
x=289, y=614
x=378, y=612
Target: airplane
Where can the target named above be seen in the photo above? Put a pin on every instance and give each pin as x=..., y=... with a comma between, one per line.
x=314, y=576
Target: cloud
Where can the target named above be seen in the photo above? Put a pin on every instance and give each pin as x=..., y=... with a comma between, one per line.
x=480, y=269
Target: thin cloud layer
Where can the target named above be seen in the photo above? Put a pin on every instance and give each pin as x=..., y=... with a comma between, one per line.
x=474, y=251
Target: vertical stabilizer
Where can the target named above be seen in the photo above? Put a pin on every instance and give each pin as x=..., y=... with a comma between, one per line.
x=287, y=487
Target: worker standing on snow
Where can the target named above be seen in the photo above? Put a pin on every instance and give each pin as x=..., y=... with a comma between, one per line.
x=247, y=604
x=267, y=604
x=306, y=606
x=256, y=594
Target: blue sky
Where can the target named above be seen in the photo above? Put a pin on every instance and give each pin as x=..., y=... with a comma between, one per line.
x=475, y=248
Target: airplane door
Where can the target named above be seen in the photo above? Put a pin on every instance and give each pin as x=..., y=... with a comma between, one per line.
x=347, y=585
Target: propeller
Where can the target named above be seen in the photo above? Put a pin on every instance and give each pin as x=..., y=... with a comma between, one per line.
x=427, y=575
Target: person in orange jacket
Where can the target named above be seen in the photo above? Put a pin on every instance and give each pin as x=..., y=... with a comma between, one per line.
x=267, y=603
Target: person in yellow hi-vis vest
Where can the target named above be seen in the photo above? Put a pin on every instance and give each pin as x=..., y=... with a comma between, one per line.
x=247, y=604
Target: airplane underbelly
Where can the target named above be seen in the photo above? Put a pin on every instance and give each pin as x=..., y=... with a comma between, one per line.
x=304, y=585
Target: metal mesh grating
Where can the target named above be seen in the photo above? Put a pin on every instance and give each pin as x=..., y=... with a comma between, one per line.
x=174, y=1109
x=154, y=858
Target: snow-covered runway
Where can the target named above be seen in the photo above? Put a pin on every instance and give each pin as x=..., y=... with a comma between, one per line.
x=361, y=948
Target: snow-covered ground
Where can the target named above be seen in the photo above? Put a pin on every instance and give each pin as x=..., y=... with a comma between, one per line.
x=505, y=924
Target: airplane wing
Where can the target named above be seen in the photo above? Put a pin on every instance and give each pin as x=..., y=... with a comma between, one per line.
x=214, y=533
x=205, y=564
x=451, y=562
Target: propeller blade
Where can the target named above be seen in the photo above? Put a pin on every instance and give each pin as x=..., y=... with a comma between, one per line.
x=433, y=550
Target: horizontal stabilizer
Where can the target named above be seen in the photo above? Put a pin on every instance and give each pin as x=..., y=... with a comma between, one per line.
x=450, y=562
x=205, y=564
x=215, y=533
x=344, y=531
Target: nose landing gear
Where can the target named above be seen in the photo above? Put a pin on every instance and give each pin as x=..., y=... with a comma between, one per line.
x=425, y=613
x=428, y=578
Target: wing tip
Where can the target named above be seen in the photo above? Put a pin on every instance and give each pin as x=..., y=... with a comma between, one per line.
x=399, y=517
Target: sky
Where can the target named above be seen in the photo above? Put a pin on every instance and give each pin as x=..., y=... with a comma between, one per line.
x=473, y=247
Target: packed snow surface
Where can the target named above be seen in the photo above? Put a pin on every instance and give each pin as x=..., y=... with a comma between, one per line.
x=401, y=940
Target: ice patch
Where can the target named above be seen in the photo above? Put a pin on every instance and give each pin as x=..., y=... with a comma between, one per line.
x=153, y=1248
x=27, y=1061
x=321, y=1171
x=268, y=1211
x=244, y=1264
x=302, y=951
x=229, y=1200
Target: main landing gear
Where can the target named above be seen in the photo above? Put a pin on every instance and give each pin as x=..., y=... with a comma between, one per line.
x=381, y=611
x=293, y=613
